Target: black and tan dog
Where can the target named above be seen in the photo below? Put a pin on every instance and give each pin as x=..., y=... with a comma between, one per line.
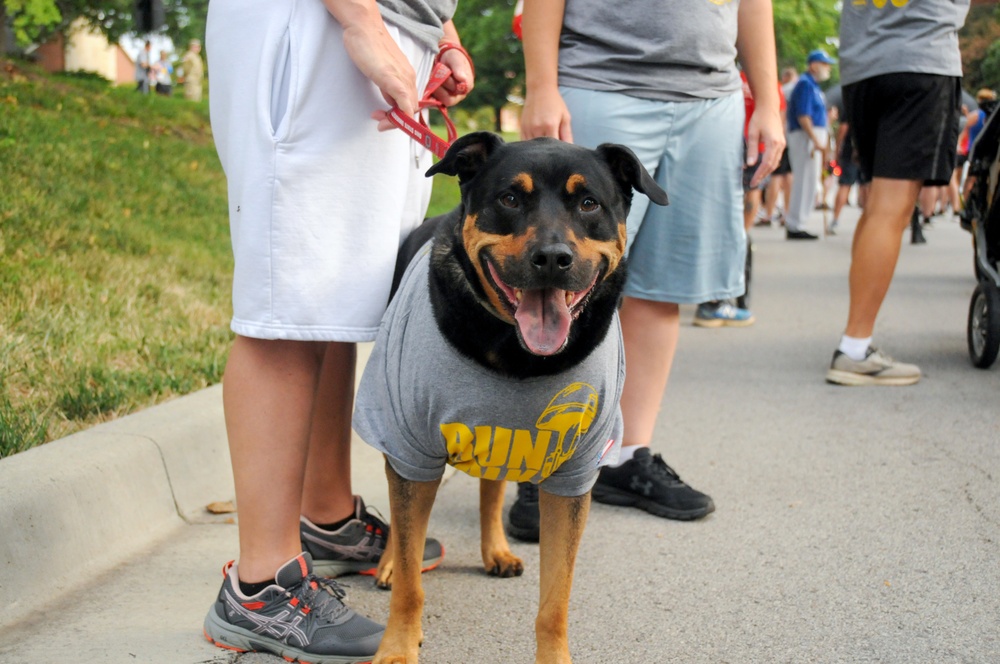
x=523, y=279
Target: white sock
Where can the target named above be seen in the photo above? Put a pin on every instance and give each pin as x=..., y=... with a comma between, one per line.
x=854, y=348
x=626, y=454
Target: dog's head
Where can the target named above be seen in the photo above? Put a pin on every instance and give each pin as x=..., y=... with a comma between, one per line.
x=543, y=228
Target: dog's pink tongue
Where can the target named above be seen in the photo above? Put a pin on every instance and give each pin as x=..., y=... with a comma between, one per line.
x=543, y=319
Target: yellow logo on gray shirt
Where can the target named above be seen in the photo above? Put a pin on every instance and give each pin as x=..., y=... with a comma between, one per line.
x=494, y=452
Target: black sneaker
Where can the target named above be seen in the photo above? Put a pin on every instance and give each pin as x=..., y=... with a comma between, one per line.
x=300, y=617
x=522, y=518
x=800, y=235
x=647, y=482
x=916, y=231
x=357, y=546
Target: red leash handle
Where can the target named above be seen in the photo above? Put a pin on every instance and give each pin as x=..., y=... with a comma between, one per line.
x=445, y=46
x=418, y=129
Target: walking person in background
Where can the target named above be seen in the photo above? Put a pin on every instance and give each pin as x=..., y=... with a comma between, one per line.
x=194, y=71
x=142, y=69
x=808, y=142
x=780, y=183
x=902, y=73
x=850, y=174
x=163, y=75
x=660, y=78
x=319, y=203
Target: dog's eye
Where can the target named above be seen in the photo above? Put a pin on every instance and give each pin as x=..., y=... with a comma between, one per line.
x=589, y=204
x=508, y=200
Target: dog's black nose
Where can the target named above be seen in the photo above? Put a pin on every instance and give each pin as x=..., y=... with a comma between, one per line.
x=552, y=258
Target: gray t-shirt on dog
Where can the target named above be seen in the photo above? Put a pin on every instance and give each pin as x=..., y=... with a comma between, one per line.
x=673, y=50
x=423, y=404
x=877, y=37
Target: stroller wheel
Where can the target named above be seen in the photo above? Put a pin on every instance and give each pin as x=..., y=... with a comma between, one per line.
x=984, y=324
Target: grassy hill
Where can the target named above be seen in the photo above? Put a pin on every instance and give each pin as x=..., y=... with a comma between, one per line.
x=115, y=264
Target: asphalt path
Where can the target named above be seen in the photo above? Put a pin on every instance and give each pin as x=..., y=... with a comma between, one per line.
x=852, y=524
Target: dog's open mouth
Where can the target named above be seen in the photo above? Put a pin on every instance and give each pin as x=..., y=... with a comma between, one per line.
x=543, y=315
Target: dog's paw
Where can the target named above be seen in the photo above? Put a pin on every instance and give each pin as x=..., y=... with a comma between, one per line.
x=393, y=659
x=383, y=577
x=402, y=652
x=503, y=564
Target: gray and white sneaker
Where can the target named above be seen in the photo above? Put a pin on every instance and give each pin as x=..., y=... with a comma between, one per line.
x=357, y=546
x=300, y=617
x=876, y=369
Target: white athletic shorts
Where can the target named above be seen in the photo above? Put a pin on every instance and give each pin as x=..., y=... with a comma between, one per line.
x=319, y=199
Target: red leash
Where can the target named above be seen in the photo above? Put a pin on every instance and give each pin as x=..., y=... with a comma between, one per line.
x=418, y=129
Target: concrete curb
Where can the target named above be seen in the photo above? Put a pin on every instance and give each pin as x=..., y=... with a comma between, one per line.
x=76, y=507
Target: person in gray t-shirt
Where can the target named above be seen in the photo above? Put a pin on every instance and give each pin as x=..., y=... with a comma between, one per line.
x=142, y=69
x=660, y=77
x=901, y=71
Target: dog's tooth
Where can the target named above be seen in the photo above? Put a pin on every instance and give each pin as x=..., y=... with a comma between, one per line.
x=518, y=295
x=569, y=297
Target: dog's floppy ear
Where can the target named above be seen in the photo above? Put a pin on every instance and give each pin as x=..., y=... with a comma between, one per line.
x=630, y=172
x=467, y=155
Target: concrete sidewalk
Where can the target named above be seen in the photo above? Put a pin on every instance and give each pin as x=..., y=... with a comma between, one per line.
x=853, y=524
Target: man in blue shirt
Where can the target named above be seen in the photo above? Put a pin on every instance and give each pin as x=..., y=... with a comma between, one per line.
x=808, y=141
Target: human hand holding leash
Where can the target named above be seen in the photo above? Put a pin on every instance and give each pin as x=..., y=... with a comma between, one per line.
x=463, y=72
x=377, y=55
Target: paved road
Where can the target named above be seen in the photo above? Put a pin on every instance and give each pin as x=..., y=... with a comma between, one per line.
x=853, y=524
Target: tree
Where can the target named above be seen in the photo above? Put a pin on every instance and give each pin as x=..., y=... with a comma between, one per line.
x=29, y=19
x=37, y=20
x=803, y=25
x=185, y=21
x=485, y=29
x=989, y=70
x=979, y=40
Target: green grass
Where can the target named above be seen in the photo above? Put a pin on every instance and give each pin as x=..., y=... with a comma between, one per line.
x=114, y=253
x=115, y=262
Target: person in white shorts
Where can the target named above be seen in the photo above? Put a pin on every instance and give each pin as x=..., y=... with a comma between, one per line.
x=320, y=199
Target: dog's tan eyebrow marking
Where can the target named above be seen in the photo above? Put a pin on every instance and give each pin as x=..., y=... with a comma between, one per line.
x=574, y=182
x=525, y=182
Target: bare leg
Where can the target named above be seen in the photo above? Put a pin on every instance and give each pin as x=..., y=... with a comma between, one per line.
x=953, y=197
x=771, y=196
x=751, y=204
x=498, y=559
x=928, y=200
x=326, y=495
x=786, y=189
x=562, y=523
x=875, y=250
x=650, y=331
x=268, y=391
x=411, y=504
x=843, y=193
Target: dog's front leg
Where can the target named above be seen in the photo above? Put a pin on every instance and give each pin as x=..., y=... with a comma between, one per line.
x=410, y=504
x=561, y=526
x=497, y=556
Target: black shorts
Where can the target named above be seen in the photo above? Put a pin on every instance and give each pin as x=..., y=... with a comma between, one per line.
x=784, y=166
x=905, y=125
x=748, y=172
x=850, y=174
